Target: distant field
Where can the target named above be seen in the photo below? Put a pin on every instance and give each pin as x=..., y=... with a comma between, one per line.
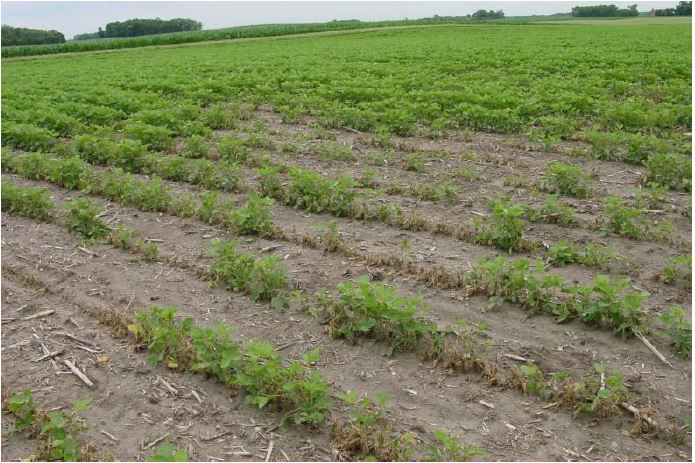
x=642, y=20
x=239, y=32
x=440, y=243
x=277, y=30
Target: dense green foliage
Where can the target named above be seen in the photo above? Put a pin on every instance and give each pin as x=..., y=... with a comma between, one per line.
x=136, y=27
x=683, y=9
x=26, y=201
x=255, y=366
x=603, y=11
x=367, y=309
x=12, y=36
x=87, y=42
x=606, y=301
x=483, y=14
x=394, y=82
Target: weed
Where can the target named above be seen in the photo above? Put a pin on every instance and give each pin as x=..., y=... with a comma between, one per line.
x=195, y=147
x=27, y=136
x=152, y=195
x=673, y=170
x=230, y=267
x=368, y=178
x=82, y=220
x=33, y=166
x=332, y=151
x=566, y=180
x=232, y=149
x=466, y=173
x=378, y=158
x=414, y=162
x=184, y=205
x=450, y=192
x=650, y=197
x=426, y=191
x=503, y=228
x=679, y=329
x=623, y=219
x=210, y=211
x=259, y=141
x=562, y=253
x=229, y=176
x=149, y=251
x=268, y=281
x=253, y=218
x=315, y=193
x=71, y=173
x=152, y=136
x=26, y=201
x=94, y=150
x=553, y=211
x=331, y=240
x=269, y=184
x=289, y=147
x=679, y=270
x=121, y=237
x=516, y=181
x=383, y=137
x=167, y=452
x=219, y=116
x=662, y=230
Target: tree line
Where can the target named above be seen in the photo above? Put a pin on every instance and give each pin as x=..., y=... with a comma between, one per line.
x=22, y=36
x=683, y=9
x=604, y=11
x=137, y=27
x=482, y=14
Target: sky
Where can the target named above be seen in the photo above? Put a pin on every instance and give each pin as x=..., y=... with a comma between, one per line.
x=72, y=18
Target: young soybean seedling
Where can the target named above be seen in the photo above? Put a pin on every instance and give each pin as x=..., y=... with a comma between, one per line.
x=167, y=452
x=447, y=449
x=21, y=404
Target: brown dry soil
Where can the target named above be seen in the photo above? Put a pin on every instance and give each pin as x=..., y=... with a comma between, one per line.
x=44, y=267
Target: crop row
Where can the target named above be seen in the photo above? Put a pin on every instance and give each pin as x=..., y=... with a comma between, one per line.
x=605, y=302
x=340, y=197
x=369, y=83
x=153, y=196
x=269, y=380
x=57, y=432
